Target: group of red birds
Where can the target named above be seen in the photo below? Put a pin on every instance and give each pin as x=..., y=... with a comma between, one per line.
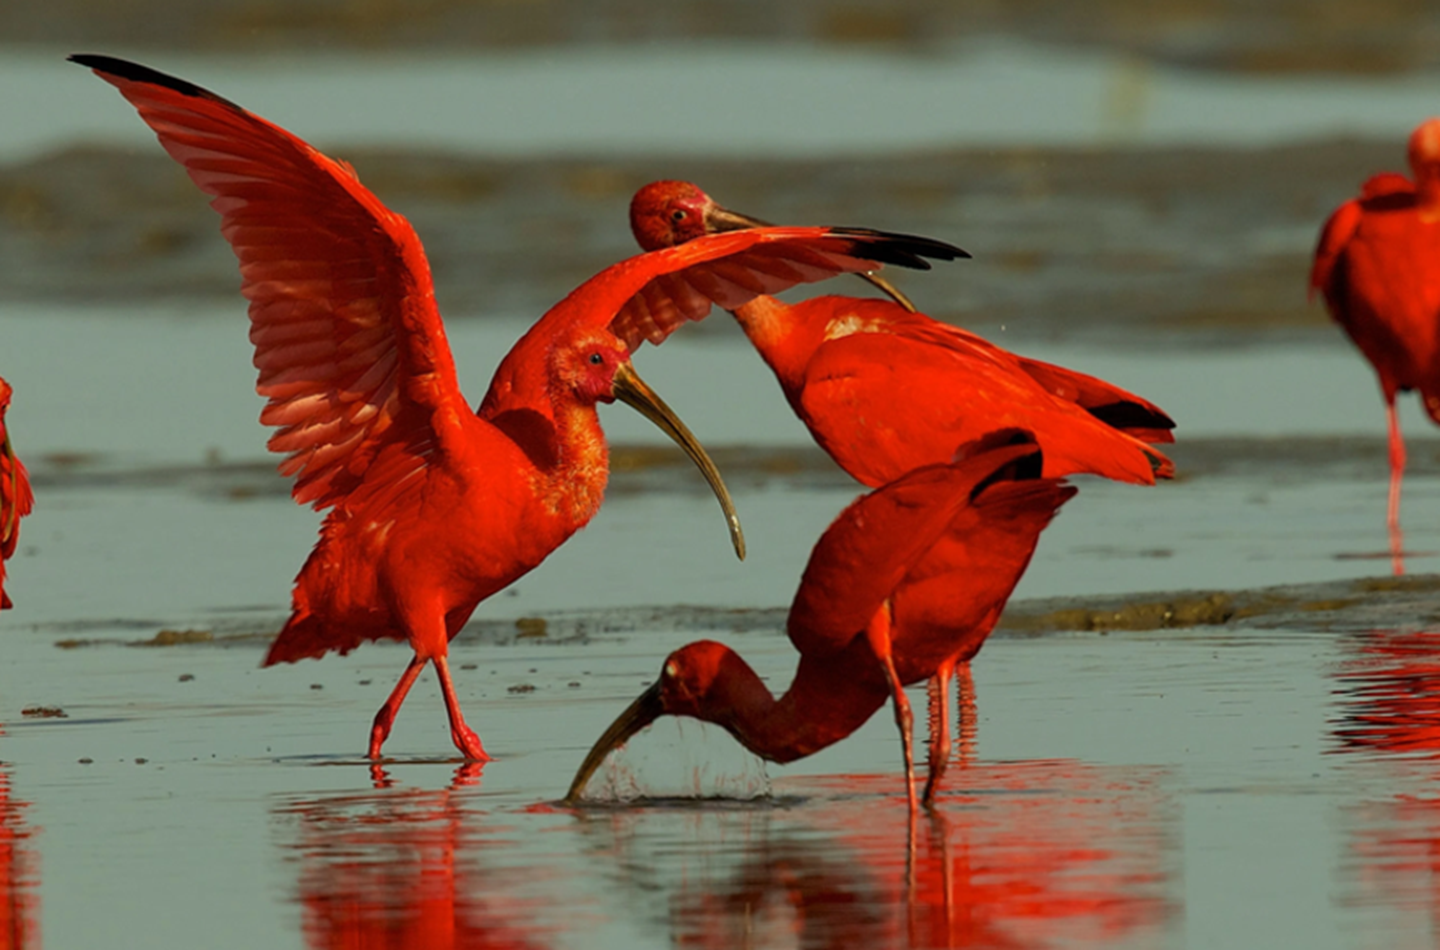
x=432, y=506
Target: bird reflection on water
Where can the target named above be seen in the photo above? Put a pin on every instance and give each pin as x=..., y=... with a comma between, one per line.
x=1029, y=854
x=19, y=878
x=1390, y=692
x=402, y=867
x=1389, y=695
x=1026, y=854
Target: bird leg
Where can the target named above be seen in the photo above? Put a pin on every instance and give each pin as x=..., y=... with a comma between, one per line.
x=462, y=735
x=938, y=689
x=385, y=718
x=878, y=633
x=1397, y=470
x=965, y=708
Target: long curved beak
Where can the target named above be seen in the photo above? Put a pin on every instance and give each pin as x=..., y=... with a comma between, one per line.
x=632, y=390
x=723, y=219
x=887, y=288
x=644, y=710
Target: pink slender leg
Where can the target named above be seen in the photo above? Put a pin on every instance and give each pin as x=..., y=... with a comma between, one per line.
x=462, y=735
x=878, y=633
x=385, y=718
x=939, y=707
x=965, y=706
x=1397, y=471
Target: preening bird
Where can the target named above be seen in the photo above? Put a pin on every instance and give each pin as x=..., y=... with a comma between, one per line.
x=884, y=390
x=1377, y=264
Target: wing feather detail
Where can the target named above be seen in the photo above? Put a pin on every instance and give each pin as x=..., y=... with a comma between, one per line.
x=343, y=318
x=782, y=258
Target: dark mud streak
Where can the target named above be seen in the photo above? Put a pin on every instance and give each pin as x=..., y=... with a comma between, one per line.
x=1366, y=603
x=647, y=469
x=1356, y=605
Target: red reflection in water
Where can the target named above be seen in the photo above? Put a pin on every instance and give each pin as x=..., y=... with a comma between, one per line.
x=1087, y=866
x=19, y=905
x=1033, y=855
x=397, y=868
x=1394, y=860
x=1391, y=689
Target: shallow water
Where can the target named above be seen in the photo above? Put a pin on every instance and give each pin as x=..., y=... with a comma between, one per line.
x=1216, y=786
x=1246, y=513
x=1265, y=782
x=1151, y=789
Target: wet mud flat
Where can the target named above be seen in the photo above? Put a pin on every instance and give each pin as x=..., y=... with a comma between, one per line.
x=1269, y=36
x=1118, y=245
x=1354, y=605
x=637, y=469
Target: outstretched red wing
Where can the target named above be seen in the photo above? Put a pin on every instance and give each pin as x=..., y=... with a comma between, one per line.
x=342, y=313
x=787, y=257
x=647, y=296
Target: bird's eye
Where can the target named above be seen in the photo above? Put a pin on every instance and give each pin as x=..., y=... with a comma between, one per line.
x=596, y=359
x=678, y=214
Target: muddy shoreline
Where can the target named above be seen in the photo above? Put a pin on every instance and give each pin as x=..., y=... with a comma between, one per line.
x=1356, y=605
x=1115, y=245
x=639, y=469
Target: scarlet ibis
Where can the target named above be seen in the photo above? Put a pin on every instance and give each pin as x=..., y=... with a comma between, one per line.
x=906, y=583
x=1377, y=263
x=884, y=390
x=433, y=507
x=665, y=213
x=16, y=497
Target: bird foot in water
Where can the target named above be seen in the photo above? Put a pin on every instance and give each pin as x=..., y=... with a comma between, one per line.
x=378, y=734
x=468, y=743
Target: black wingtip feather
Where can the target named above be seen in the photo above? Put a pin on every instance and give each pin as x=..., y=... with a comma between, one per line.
x=135, y=72
x=1129, y=415
x=1020, y=468
x=902, y=250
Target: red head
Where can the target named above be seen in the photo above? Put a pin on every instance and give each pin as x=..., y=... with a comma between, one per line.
x=586, y=366
x=593, y=365
x=704, y=679
x=667, y=213
x=1424, y=153
x=699, y=680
